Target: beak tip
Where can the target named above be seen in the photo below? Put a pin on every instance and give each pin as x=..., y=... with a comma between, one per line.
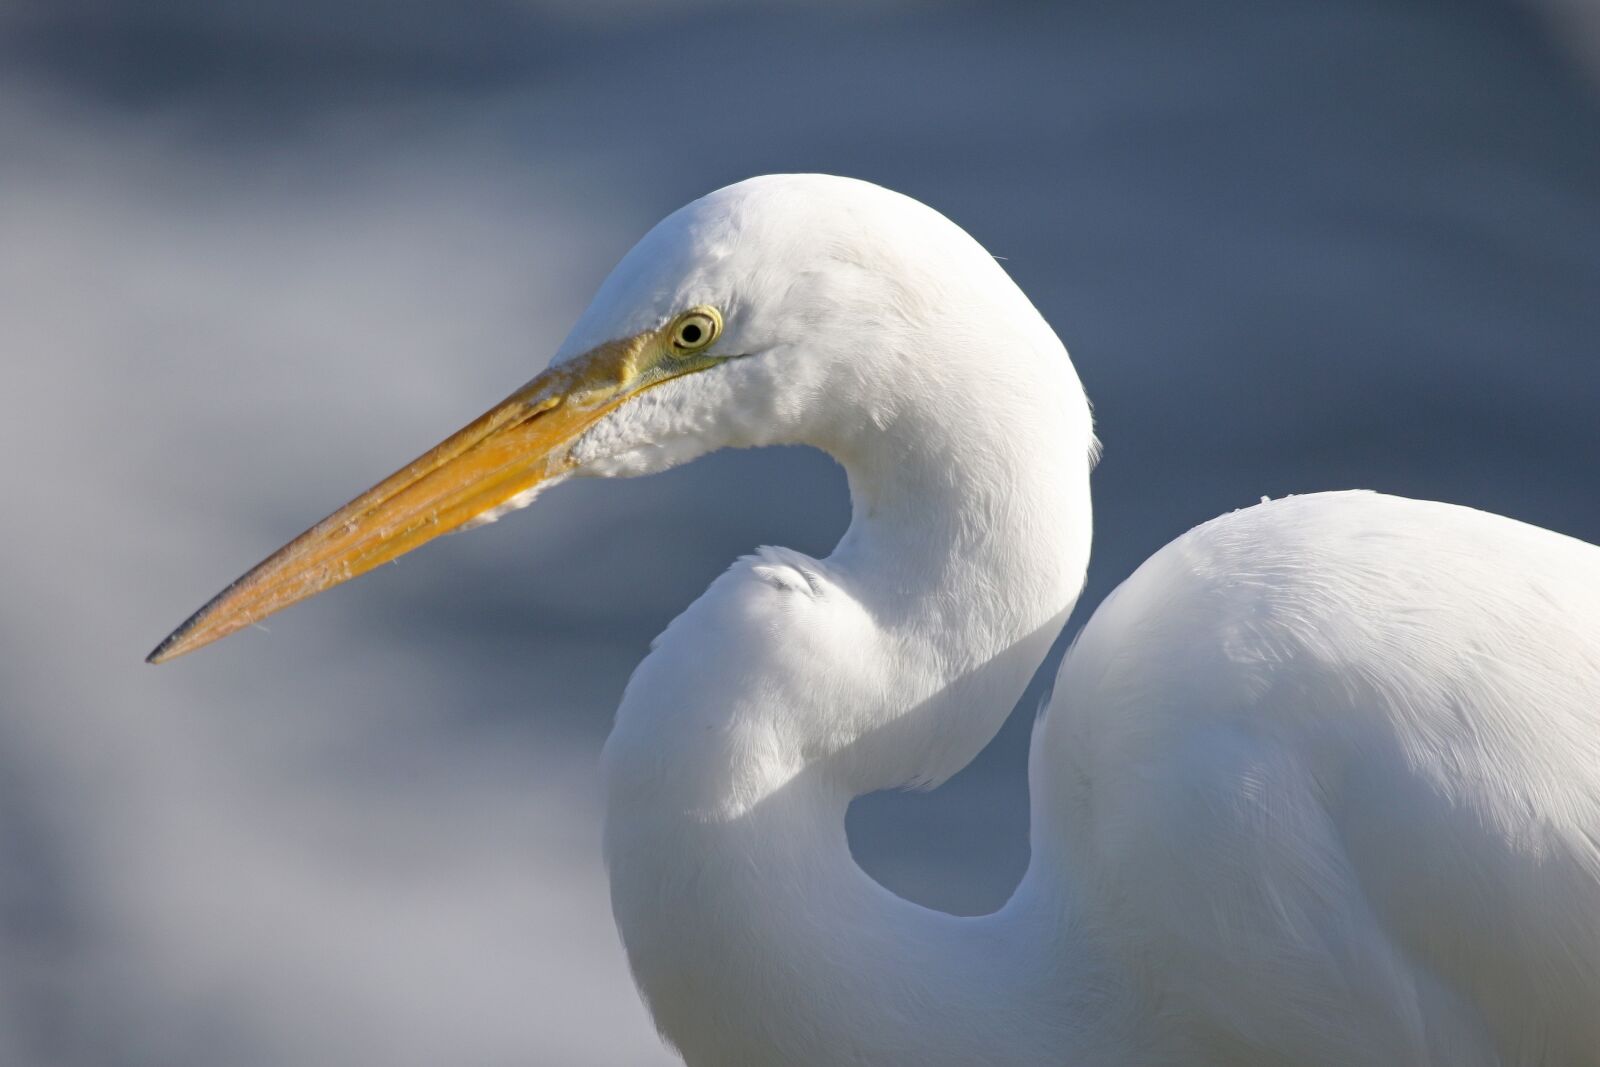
x=164, y=651
x=179, y=641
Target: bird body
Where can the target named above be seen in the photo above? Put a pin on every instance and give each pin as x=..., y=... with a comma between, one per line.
x=1332, y=764
x=1319, y=783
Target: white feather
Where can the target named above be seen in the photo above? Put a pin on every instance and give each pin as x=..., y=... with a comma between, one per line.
x=1320, y=783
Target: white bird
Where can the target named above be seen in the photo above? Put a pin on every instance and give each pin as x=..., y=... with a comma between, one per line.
x=1319, y=784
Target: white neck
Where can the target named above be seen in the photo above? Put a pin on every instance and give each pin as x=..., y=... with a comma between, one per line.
x=752, y=932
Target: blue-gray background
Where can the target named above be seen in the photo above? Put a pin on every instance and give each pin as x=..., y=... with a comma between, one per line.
x=253, y=256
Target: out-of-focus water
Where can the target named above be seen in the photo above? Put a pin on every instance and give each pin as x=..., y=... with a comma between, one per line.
x=251, y=260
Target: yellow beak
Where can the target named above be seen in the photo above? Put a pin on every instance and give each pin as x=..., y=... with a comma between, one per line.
x=511, y=450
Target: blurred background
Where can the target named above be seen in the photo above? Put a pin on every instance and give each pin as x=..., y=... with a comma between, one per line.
x=254, y=256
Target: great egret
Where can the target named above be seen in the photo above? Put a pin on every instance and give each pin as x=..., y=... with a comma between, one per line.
x=1320, y=783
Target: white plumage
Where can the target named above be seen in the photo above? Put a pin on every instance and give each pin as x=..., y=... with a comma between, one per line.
x=1319, y=783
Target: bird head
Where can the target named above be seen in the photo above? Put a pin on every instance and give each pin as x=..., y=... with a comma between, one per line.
x=784, y=309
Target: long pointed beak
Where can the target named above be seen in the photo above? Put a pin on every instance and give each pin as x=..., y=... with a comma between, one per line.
x=500, y=459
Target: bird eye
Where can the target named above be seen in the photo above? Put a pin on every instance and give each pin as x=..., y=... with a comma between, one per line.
x=695, y=329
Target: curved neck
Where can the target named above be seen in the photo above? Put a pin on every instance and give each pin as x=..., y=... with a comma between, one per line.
x=968, y=544
x=759, y=940
x=752, y=932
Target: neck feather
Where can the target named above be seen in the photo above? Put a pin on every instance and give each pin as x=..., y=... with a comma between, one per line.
x=761, y=941
x=752, y=932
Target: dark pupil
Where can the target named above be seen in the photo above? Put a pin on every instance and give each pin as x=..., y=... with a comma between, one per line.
x=691, y=334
